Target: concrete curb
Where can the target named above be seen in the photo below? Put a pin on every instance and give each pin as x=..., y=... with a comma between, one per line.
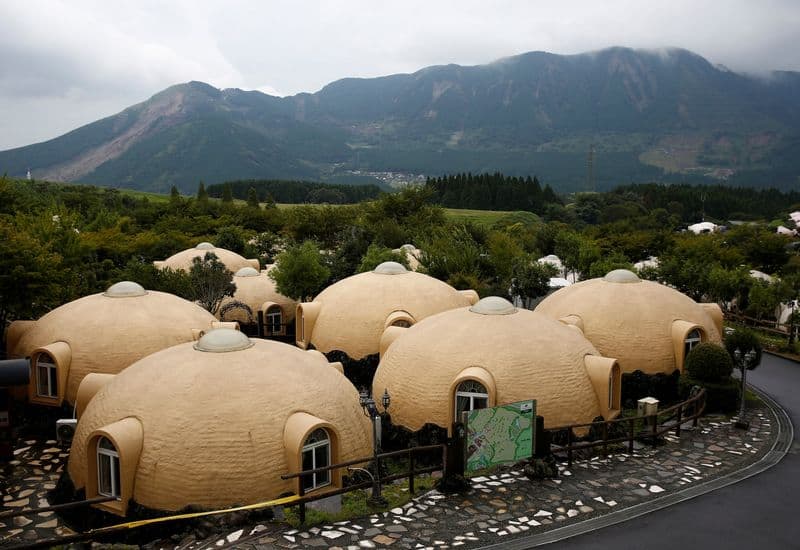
x=780, y=448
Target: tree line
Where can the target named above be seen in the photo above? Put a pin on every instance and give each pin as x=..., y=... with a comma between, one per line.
x=294, y=192
x=491, y=192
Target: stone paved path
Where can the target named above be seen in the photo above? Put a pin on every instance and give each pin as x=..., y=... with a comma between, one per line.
x=497, y=507
x=508, y=504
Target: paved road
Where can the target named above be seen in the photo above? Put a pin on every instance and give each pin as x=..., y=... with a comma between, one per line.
x=757, y=513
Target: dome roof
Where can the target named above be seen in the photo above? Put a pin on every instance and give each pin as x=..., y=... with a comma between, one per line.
x=107, y=332
x=254, y=289
x=353, y=312
x=213, y=423
x=631, y=319
x=493, y=305
x=125, y=289
x=390, y=268
x=223, y=340
x=621, y=276
x=247, y=272
x=525, y=355
x=183, y=260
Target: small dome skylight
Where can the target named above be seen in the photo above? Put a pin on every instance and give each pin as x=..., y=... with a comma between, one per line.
x=222, y=340
x=408, y=247
x=125, y=289
x=390, y=268
x=621, y=276
x=247, y=272
x=493, y=305
x=204, y=246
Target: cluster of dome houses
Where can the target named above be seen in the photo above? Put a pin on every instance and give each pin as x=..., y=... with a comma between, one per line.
x=176, y=407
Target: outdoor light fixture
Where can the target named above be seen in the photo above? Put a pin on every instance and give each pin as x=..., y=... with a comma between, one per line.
x=371, y=411
x=744, y=362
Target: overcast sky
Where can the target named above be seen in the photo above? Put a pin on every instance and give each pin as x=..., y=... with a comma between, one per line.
x=65, y=63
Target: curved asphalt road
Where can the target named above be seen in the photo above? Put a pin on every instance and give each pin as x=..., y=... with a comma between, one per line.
x=760, y=512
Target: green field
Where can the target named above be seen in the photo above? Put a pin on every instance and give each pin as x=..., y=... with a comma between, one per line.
x=490, y=217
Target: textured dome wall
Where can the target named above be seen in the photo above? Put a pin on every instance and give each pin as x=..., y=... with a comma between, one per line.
x=183, y=260
x=630, y=320
x=353, y=312
x=107, y=334
x=213, y=423
x=528, y=355
x=254, y=290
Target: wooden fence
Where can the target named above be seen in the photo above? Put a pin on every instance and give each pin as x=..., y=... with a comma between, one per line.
x=633, y=427
x=412, y=471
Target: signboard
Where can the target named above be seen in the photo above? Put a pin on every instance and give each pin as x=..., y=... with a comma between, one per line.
x=499, y=434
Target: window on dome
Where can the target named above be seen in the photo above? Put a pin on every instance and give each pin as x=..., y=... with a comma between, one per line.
x=46, y=376
x=274, y=321
x=691, y=340
x=316, y=454
x=108, y=481
x=470, y=395
x=402, y=323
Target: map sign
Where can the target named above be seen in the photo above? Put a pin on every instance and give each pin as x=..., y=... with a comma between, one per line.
x=500, y=434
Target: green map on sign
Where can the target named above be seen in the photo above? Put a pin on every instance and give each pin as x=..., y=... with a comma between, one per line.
x=500, y=434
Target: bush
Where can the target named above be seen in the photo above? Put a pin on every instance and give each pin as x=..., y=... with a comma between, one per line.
x=709, y=363
x=637, y=384
x=744, y=340
x=722, y=397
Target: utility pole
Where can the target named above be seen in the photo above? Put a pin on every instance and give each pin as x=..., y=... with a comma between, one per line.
x=590, y=169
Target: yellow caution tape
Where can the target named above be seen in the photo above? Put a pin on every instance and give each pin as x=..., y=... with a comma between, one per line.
x=140, y=523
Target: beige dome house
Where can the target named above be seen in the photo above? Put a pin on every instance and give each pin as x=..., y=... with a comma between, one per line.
x=412, y=255
x=183, y=260
x=256, y=290
x=490, y=354
x=215, y=423
x=647, y=326
x=351, y=315
x=101, y=333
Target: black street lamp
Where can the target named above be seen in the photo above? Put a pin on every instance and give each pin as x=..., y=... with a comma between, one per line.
x=371, y=411
x=744, y=362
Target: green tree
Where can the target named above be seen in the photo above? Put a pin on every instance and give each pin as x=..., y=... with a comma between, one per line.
x=174, y=196
x=231, y=238
x=300, y=272
x=227, y=193
x=202, y=194
x=530, y=279
x=377, y=254
x=252, y=198
x=211, y=282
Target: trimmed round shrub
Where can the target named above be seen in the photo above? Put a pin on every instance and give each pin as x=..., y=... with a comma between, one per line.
x=744, y=340
x=709, y=363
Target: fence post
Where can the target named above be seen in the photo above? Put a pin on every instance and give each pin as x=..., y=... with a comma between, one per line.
x=680, y=419
x=411, y=472
x=444, y=461
x=655, y=429
x=301, y=493
x=631, y=430
x=569, y=447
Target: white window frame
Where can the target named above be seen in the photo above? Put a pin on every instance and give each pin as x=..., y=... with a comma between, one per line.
x=51, y=376
x=312, y=448
x=691, y=341
x=272, y=313
x=471, y=394
x=105, y=454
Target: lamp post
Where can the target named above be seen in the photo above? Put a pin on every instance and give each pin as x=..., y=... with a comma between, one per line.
x=744, y=362
x=371, y=411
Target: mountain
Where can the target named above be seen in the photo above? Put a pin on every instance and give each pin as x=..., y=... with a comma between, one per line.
x=645, y=116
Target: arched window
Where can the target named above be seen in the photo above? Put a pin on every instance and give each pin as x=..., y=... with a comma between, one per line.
x=274, y=320
x=46, y=376
x=470, y=395
x=691, y=340
x=108, y=483
x=317, y=454
x=402, y=323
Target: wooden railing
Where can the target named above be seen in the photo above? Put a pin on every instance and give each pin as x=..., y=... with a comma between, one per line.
x=412, y=471
x=634, y=427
